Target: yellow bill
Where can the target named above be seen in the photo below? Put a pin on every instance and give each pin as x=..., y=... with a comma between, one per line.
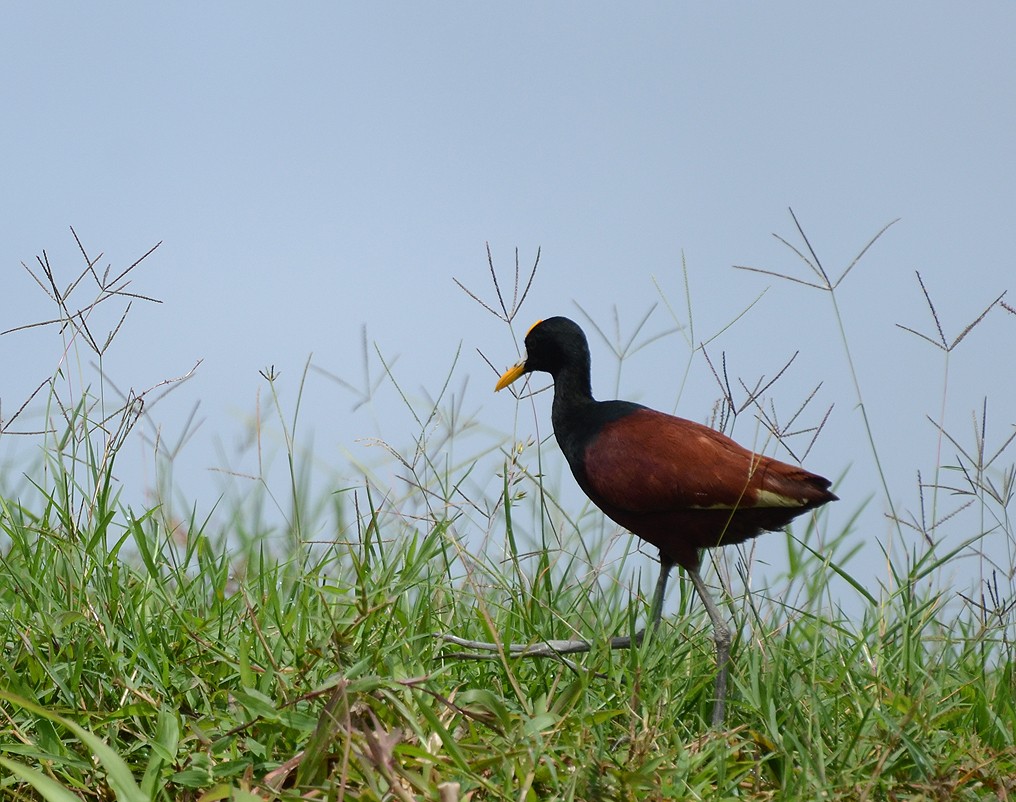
x=510, y=375
x=513, y=373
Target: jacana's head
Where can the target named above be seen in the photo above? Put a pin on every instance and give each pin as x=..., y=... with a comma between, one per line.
x=551, y=346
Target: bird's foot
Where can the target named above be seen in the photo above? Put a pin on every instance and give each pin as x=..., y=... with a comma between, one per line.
x=485, y=650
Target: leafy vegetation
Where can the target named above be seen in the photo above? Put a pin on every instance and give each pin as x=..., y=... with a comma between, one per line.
x=148, y=657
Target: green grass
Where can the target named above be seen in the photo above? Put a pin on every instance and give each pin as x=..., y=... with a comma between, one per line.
x=149, y=657
x=168, y=678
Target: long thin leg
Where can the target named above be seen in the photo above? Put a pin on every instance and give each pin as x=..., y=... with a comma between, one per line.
x=721, y=634
x=656, y=612
x=559, y=647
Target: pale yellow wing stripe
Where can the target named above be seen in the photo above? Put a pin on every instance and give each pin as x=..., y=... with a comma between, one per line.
x=763, y=498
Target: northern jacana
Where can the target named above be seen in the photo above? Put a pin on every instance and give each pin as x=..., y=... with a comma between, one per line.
x=677, y=484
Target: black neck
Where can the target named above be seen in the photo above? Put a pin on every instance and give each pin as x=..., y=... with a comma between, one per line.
x=572, y=390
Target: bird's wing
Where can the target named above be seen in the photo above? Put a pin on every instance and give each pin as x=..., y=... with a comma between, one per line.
x=652, y=462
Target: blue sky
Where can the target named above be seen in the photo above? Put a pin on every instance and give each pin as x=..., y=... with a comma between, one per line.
x=316, y=169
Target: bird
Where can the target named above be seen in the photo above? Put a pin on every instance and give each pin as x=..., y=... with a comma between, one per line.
x=676, y=484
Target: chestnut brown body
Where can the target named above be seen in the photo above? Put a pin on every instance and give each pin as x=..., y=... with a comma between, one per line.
x=684, y=487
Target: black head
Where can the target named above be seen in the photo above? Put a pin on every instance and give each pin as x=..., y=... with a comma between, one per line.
x=556, y=345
